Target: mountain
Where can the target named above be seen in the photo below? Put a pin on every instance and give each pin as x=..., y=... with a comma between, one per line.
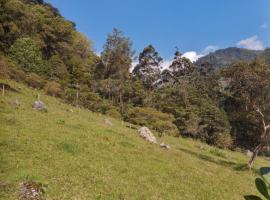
x=225, y=57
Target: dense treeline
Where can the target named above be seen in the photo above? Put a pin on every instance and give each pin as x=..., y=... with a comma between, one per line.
x=220, y=107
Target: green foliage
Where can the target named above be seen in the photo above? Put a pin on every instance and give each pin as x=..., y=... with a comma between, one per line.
x=17, y=74
x=149, y=68
x=262, y=185
x=154, y=119
x=196, y=115
x=4, y=70
x=27, y=54
x=35, y=81
x=116, y=57
x=58, y=68
x=223, y=140
x=53, y=88
x=247, y=101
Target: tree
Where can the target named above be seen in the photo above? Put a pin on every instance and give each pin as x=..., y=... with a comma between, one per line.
x=117, y=56
x=116, y=60
x=27, y=54
x=58, y=68
x=249, y=96
x=149, y=68
x=181, y=66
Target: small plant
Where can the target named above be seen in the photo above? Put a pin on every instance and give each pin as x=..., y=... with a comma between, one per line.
x=218, y=153
x=262, y=185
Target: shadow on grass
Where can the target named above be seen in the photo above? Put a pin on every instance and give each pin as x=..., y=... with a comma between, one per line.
x=233, y=165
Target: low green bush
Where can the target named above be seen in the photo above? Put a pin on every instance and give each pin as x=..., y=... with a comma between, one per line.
x=223, y=140
x=53, y=88
x=153, y=119
x=35, y=81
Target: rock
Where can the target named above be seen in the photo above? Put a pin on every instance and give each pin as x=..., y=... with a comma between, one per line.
x=146, y=134
x=108, y=122
x=39, y=105
x=31, y=190
x=164, y=146
x=249, y=153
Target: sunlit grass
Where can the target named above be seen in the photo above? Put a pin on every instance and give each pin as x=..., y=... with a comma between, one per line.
x=80, y=157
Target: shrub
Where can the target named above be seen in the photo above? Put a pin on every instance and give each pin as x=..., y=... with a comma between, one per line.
x=35, y=81
x=17, y=74
x=53, y=88
x=154, y=119
x=93, y=102
x=223, y=140
x=262, y=184
x=113, y=112
x=27, y=54
x=4, y=70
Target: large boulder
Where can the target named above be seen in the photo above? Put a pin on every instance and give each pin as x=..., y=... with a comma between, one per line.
x=146, y=134
x=39, y=105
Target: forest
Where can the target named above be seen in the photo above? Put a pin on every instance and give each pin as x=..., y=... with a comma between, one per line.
x=226, y=106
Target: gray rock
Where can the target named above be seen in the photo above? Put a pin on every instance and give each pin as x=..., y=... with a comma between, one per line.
x=31, y=190
x=39, y=105
x=249, y=153
x=146, y=134
x=164, y=146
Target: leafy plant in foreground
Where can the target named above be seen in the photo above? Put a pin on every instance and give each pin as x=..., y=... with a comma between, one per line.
x=262, y=185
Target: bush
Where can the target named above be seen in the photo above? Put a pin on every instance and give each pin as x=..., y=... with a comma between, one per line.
x=93, y=102
x=27, y=53
x=153, y=119
x=223, y=140
x=35, y=81
x=17, y=74
x=53, y=88
x=4, y=70
x=113, y=112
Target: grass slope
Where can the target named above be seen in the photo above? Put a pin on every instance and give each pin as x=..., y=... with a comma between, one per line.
x=81, y=158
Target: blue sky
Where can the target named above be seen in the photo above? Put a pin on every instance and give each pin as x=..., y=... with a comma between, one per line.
x=195, y=26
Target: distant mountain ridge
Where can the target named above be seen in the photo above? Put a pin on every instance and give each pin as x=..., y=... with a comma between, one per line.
x=228, y=56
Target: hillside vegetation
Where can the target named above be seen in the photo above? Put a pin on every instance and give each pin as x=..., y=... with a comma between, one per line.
x=228, y=56
x=72, y=147
x=78, y=156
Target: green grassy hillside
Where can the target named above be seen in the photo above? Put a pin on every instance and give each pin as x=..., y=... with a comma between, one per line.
x=79, y=157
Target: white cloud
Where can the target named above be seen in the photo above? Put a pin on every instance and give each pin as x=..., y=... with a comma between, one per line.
x=253, y=43
x=193, y=56
x=264, y=26
x=209, y=49
x=165, y=64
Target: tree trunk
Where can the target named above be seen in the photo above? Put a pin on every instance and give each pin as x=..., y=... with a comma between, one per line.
x=3, y=90
x=255, y=154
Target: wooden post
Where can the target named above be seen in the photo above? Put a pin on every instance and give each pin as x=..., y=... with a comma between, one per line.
x=77, y=95
x=3, y=90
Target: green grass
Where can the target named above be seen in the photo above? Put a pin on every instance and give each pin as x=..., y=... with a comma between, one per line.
x=79, y=157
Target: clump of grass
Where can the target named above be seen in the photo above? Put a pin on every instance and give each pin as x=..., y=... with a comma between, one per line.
x=218, y=153
x=67, y=147
x=60, y=122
